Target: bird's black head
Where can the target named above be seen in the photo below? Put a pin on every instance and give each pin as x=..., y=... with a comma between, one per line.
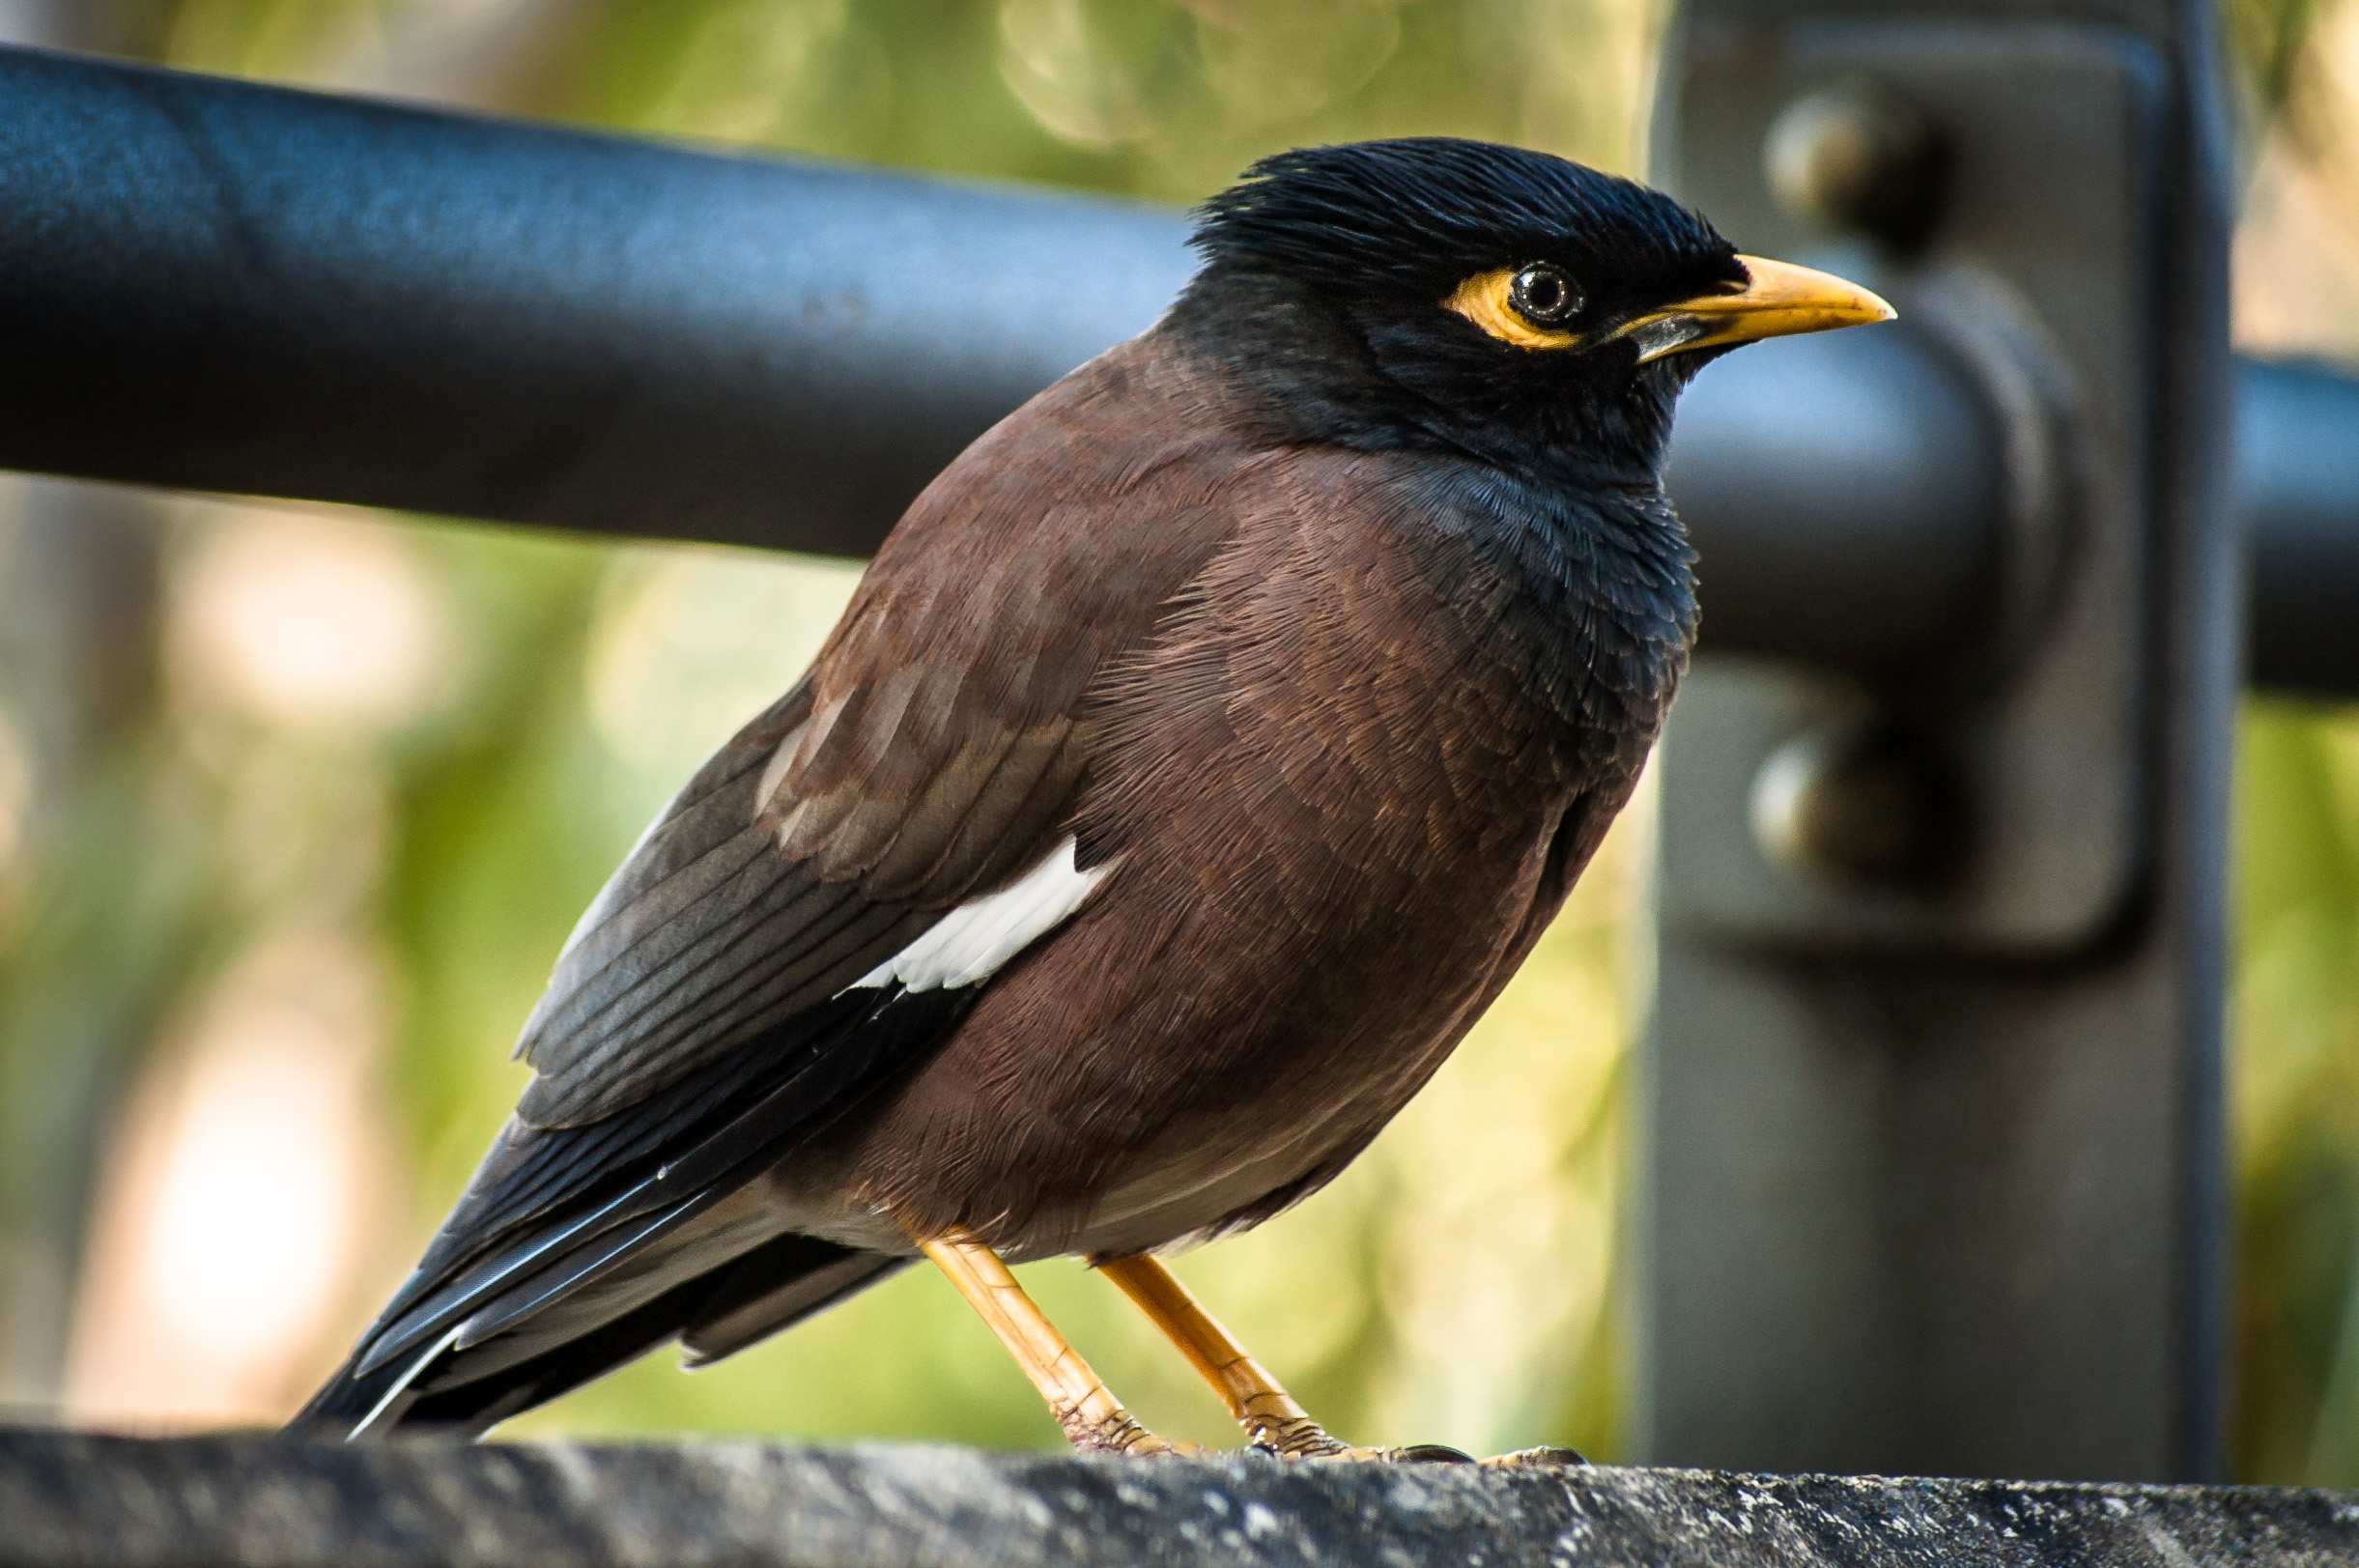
x=1514, y=306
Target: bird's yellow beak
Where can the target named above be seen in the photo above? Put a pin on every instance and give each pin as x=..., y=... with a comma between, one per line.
x=1776, y=300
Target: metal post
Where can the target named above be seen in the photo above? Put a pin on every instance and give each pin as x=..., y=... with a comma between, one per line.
x=1932, y=1118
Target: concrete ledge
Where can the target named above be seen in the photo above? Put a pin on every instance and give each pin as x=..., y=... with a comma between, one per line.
x=255, y=1500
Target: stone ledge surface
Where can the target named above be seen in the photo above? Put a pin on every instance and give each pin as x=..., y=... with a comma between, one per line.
x=71, y=1497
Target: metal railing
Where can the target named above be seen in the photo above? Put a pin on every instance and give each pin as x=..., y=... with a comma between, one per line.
x=1934, y=1180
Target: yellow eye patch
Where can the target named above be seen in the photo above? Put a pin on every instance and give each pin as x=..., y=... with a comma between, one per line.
x=1485, y=299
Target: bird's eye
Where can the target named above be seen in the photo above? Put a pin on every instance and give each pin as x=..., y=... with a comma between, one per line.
x=1545, y=294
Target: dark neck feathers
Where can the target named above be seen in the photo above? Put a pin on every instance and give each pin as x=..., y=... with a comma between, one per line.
x=1596, y=594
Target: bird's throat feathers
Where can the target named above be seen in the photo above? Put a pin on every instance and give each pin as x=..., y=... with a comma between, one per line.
x=1594, y=581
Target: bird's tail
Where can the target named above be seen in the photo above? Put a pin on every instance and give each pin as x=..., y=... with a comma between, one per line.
x=712, y=1314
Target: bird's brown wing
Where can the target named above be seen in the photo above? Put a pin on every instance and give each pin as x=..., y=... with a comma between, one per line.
x=706, y=1010
x=931, y=754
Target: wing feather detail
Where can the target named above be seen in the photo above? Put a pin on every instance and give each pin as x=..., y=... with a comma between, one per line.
x=816, y=910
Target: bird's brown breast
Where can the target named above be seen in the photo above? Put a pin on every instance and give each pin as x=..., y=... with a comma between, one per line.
x=1339, y=809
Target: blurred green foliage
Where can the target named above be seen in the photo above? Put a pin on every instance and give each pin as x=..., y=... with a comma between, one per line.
x=442, y=822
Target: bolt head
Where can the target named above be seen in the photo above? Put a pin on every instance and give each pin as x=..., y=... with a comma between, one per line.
x=1865, y=805
x=1857, y=159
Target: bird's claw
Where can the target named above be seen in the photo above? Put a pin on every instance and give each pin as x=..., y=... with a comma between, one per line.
x=1544, y=1458
x=1311, y=1441
x=1422, y=1453
x=1419, y=1453
x=1307, y=1440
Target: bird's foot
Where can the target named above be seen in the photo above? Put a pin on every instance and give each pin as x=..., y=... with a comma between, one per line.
x=1536, y=1459
x=1308, y=1439
x=1122, y=1434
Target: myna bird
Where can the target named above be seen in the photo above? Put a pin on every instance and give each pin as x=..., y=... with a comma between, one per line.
x=1198, y=758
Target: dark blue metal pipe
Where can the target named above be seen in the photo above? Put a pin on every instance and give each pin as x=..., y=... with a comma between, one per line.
x=221, y=286
x=2297, y=480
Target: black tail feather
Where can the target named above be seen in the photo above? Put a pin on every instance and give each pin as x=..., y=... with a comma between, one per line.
x=646, y=1174
x=447, y=1398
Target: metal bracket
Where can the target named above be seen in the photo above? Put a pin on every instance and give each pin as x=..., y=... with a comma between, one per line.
x=1990, y=801
x=1931, y=1106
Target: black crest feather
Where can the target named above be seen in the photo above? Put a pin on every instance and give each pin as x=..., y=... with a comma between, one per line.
x=1415, y=208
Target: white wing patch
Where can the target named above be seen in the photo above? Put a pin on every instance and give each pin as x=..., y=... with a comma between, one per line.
x=972, y=942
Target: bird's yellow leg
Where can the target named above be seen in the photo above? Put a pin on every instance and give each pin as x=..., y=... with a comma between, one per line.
x=1092, y=1418
x=1272, y=1419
